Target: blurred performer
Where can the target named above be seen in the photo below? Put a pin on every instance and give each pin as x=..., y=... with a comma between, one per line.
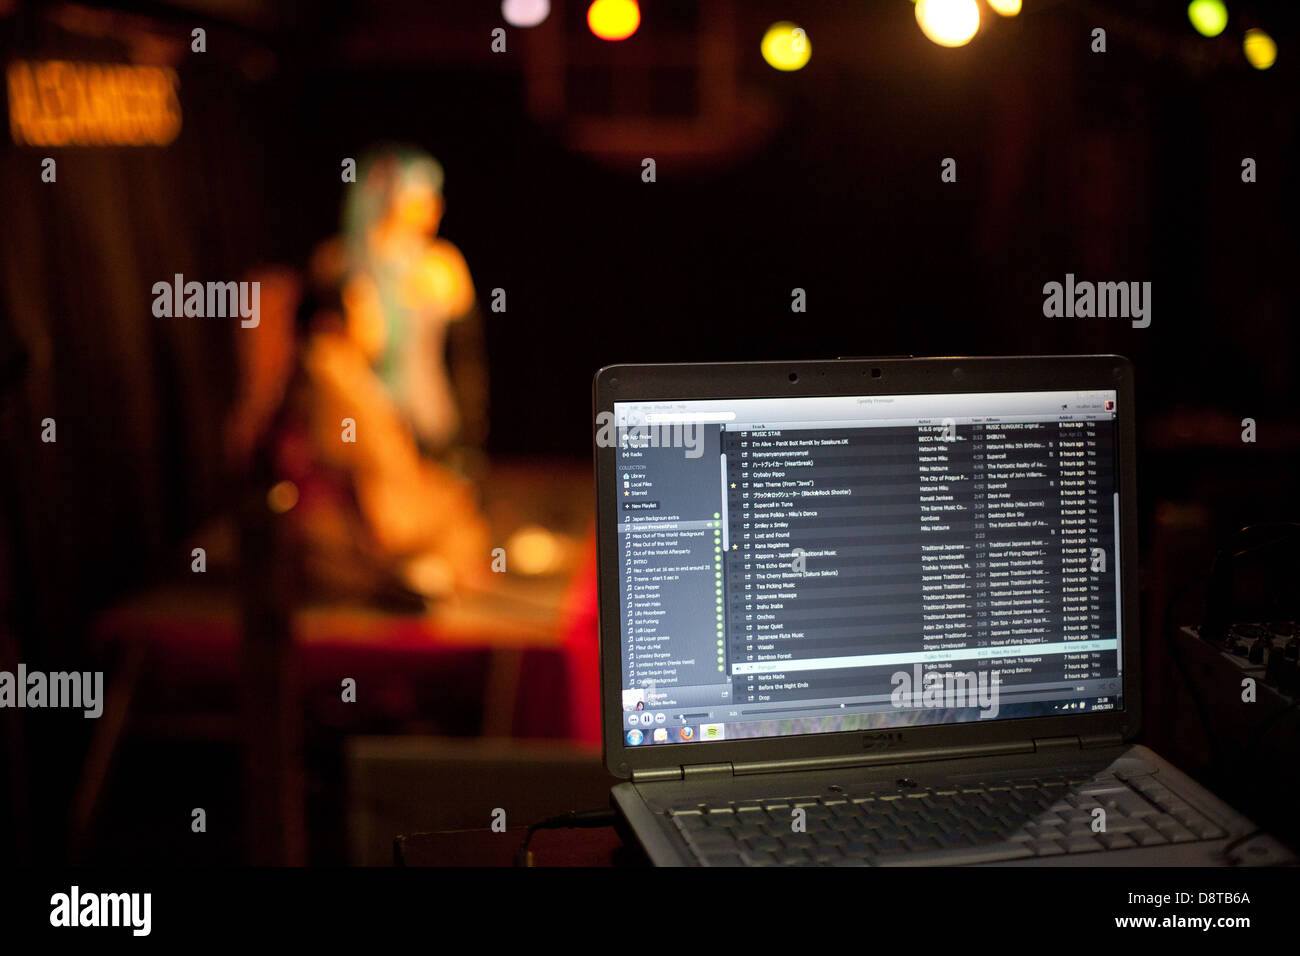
x=370, y=407
x=414, y=282
x=384, y=367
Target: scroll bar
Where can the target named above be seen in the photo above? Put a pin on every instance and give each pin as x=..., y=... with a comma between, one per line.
x=1119, y=594
x=725, y=547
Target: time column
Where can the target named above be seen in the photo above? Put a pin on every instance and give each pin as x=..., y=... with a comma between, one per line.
x=979, y=533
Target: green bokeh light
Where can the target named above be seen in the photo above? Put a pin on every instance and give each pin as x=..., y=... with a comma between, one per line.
x=1209, y=17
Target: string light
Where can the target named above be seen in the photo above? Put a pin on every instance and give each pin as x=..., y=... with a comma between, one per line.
x=525, y=13
x=1259, y=48
x=948, y=22
x=1209, y=17
x=786, y=47
x=614, y=19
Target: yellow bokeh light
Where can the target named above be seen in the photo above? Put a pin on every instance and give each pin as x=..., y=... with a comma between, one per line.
x=614, y=19
x=533, y=550
x=1006, y=8
x=1209, y=17
x=786, y=47
x=1260, y=49
x=430, y=575
x=948, y=22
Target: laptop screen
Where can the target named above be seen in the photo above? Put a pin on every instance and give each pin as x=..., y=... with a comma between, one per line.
x=820, y=564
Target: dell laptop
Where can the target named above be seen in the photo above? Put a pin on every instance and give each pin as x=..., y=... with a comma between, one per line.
x=877, y=612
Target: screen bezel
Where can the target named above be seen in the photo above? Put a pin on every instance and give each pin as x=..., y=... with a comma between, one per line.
x=866, y=376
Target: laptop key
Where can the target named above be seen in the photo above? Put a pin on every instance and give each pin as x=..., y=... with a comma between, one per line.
x=1204, y=829
x=1148, y=837
x=1082, y=845
x=691, y=823
x=793, y=856
x=1116, y=841
x=891, y=845
x=711, y=840
x=845, y=825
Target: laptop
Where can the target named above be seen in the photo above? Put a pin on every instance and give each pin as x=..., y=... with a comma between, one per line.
x=875, y=612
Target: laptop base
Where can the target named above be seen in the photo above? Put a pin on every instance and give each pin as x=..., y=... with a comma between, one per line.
x=877, y=816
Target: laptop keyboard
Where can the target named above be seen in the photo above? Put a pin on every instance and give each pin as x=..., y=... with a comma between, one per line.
x=982, y=822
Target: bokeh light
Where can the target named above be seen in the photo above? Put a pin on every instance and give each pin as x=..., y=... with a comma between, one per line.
x=614, y=19
x=282, y=496
x=1006, y=8
x=948, y=22
x=785, y=46
x=1209, y=17
x=525, y=13
x=534, y=550
x=1260, y=49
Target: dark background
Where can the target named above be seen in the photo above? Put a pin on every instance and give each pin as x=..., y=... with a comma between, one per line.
x=1121, y=166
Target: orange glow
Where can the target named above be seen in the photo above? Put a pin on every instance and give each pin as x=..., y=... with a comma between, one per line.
x=534, y=550
x=417, y=208
x=443, y=277
x=363, y=312
x=614, y=19
x=58, y=103
x=282, y=497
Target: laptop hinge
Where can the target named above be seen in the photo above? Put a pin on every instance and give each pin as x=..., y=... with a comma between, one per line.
x=1102, y=740
x=884, y=757
x=707, y=769
x=1057, y=743
x=656, y=773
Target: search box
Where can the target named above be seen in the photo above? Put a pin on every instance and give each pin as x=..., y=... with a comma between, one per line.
x=673, y=418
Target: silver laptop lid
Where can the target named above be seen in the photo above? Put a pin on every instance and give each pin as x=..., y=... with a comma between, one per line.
x=876, y=557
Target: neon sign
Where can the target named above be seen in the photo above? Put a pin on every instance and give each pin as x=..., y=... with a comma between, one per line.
x=60, y=103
